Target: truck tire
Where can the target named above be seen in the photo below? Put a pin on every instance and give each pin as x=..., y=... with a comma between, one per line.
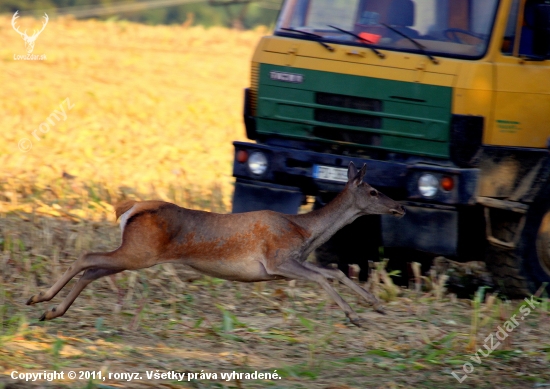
x=520, y=271
x=506, y=265
x=535, y=241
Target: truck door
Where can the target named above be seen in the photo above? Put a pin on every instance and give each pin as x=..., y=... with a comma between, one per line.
x=522, y=88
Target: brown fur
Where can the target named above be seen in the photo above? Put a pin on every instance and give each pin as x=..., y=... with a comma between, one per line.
x=123, y=206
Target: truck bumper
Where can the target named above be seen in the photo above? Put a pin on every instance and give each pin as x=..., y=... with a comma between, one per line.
x=293, y=167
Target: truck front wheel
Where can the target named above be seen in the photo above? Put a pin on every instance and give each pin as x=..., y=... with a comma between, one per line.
x=519, y=271
x=535, y=241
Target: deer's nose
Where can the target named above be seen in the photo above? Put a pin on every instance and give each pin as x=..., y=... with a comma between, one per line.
x=398, y=211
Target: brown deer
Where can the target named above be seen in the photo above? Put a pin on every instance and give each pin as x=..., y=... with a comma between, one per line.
x=246, y=247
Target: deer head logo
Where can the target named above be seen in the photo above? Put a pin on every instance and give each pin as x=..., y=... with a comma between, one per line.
x=29, y=40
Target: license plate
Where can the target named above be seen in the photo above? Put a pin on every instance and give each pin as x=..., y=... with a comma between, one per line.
x=330, y=173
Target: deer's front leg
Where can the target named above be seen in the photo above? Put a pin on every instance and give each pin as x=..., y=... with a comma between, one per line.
x=340, y=276
x=295, y=270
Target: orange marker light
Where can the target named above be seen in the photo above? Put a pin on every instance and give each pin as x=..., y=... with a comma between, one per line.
x=370, y=38
x=447, y=183
x=242, y=156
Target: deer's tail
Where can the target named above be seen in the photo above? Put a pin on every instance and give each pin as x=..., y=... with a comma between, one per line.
x=123, y=206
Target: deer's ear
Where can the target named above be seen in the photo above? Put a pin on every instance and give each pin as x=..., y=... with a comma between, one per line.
x=362, y=173
x=352, y=171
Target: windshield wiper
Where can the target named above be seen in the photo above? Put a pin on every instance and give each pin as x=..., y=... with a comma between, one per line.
x=418, y=45
x=310, y=34
x=365, y=41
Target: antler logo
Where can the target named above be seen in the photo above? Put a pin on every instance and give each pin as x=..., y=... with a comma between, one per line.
x=29, y=40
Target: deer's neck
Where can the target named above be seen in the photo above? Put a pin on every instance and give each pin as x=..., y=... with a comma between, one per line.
x=325, y=222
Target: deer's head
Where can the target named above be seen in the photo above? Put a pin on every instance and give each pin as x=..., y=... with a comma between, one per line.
x=29, y=40
x=369, y=200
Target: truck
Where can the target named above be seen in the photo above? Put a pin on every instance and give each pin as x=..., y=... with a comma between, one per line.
x=446, y=101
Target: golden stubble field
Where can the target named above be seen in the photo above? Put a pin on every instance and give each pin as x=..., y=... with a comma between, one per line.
x=150, y=112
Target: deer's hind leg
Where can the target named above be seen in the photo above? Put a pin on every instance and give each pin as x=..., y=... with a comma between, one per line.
x=296, y=270
x=110, y=260
x=88, y=276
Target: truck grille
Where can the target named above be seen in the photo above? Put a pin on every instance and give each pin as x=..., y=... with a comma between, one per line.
x=348, y=136
x=347, y=118
x=352, y=102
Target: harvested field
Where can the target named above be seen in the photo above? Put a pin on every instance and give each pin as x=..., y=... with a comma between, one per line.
x=153, y=113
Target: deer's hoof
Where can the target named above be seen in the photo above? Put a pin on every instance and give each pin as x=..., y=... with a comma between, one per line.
x=37, y=298
x=357, y=321
x=380, y=310
x=49, y=315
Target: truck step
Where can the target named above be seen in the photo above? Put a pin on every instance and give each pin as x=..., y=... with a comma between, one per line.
x=507, y=205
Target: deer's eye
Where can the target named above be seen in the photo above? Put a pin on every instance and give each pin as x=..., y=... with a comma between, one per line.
x=373, y=192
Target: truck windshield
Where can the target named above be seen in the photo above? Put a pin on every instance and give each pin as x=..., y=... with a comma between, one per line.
x=450, y=28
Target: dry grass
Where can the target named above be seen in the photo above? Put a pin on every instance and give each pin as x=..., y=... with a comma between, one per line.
x=155, y=319
x=155, y=112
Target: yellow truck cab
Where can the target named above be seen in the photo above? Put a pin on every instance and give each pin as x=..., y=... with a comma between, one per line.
x=446, y=101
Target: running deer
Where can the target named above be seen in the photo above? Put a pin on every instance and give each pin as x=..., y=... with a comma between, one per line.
x=246, y=247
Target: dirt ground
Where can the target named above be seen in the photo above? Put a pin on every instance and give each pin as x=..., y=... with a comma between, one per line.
x=172, y=320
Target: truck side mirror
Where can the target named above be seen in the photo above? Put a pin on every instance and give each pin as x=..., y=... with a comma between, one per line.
x=541, y=27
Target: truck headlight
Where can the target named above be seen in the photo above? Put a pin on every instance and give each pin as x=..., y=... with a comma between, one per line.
x=428, y=185
x=257, y=163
